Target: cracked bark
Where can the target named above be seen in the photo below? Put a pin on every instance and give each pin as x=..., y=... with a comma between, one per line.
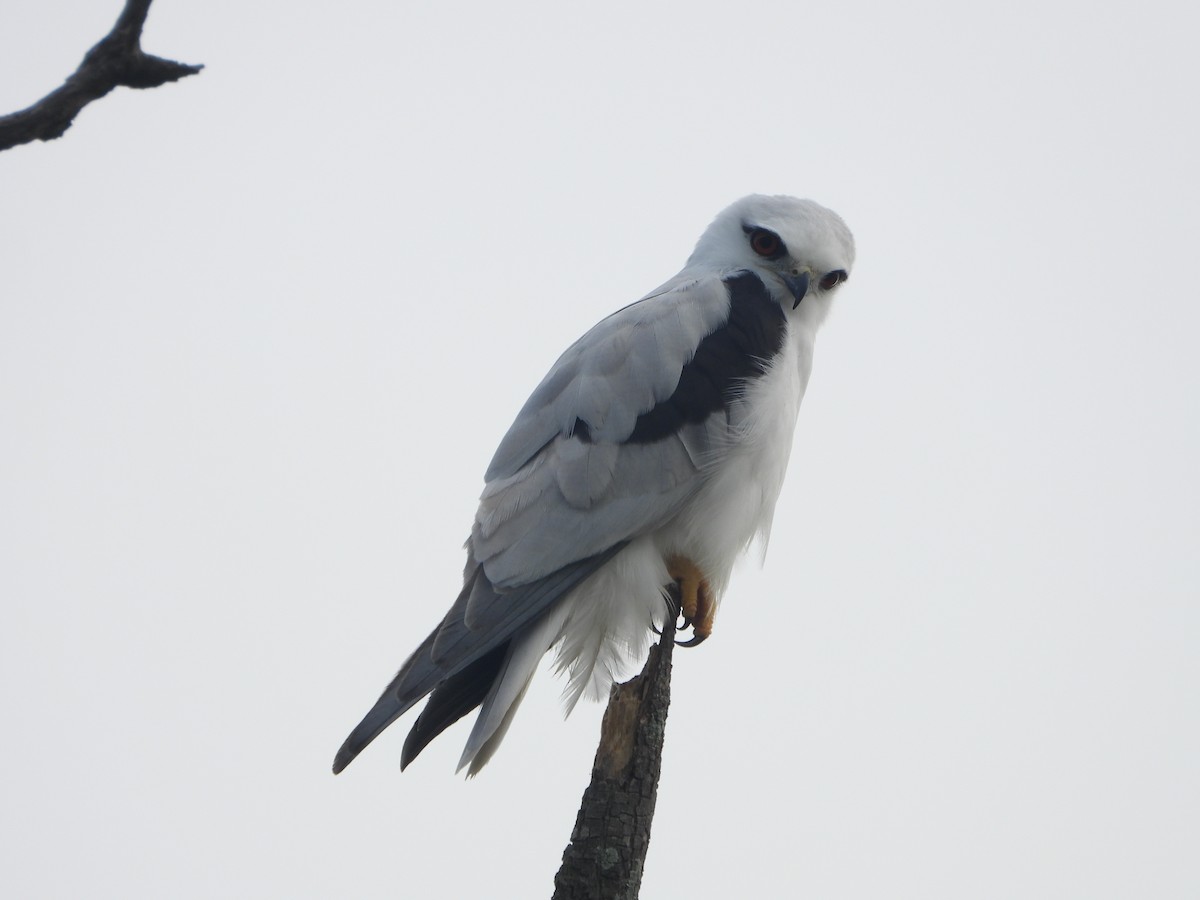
x=116, y=61
x=607, y=853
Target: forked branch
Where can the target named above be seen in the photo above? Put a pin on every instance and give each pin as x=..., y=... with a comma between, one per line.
x=117, y=61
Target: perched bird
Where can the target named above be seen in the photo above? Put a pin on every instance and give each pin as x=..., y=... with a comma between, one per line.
x=651, y=455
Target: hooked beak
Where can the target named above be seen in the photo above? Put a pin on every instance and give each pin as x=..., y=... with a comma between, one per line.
x=798, y=285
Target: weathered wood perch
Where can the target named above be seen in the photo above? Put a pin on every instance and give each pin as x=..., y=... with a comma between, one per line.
x=607, y=853
x=116, y=61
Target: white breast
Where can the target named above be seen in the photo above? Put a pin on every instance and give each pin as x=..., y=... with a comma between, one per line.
x=737, y=502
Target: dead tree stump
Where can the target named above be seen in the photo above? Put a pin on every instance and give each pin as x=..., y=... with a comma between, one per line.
x=607, y=853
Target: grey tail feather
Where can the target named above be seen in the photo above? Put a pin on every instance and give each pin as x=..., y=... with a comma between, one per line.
x=390, y=706
x=452, y=700
x=449, y=702
x=458, y=664
x=385, y=711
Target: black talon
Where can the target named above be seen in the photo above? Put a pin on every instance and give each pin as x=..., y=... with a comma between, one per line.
x=672, y=609
x=670, y=598
x=694, y=641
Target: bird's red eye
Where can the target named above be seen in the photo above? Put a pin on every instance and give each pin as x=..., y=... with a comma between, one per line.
x=833, y=279
x=766, y=243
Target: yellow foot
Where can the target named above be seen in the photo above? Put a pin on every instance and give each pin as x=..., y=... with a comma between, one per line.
x=695, y=598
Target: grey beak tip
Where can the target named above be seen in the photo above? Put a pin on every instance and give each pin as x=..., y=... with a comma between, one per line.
x=798, y=285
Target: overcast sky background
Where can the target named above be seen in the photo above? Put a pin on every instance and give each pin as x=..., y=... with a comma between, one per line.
x=261, y=330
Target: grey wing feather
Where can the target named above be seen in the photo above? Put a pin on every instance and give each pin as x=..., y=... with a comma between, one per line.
x=552, y=498
x=619, y=369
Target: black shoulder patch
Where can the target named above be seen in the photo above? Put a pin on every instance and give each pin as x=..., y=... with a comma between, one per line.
x=732, y=353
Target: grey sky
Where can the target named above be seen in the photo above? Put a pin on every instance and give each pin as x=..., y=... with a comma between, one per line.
x=260, y=332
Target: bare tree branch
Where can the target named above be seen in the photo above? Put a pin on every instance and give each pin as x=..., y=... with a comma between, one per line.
x=116, y=61
x=607, y=853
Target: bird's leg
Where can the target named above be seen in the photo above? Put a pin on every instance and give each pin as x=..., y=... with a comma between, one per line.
x=695, y=598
